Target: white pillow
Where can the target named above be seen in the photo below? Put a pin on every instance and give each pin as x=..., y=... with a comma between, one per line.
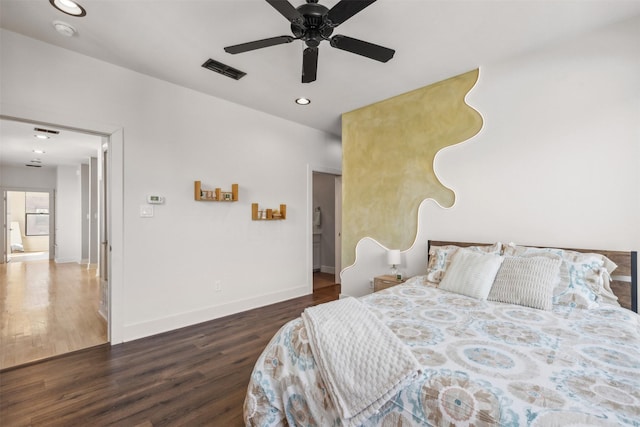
x=471, y=273
x=440, y=257
x=584, y=277
x=526, y=281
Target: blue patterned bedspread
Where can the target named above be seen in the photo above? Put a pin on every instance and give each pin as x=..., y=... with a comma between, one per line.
x=484, y=363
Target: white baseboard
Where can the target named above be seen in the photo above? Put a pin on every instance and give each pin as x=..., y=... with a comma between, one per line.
x=66, y=260
x=328, y=269
x=144, y=329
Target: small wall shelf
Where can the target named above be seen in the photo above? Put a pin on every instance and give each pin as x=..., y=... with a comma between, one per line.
x=268, y=214
x=216, y=195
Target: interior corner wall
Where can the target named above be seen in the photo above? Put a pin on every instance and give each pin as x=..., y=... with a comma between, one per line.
x=557, y=162
x=389, y=149
x=172, y=262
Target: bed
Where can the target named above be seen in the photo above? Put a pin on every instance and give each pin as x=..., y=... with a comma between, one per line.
x=492, y=334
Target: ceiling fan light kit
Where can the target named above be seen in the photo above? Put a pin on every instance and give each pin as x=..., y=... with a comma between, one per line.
x=313, y=23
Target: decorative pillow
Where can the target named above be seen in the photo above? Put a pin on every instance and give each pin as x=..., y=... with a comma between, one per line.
x=526, y=281
x=471, y=273
x=440, y=258
x=584, y=277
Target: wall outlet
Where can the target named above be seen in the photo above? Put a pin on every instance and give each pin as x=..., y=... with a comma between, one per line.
x=217, y=286
x=370, y=283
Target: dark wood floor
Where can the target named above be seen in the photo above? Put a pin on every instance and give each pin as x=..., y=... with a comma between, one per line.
x=192, y=376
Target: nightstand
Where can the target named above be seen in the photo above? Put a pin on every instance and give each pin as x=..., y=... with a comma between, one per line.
x=384, y=282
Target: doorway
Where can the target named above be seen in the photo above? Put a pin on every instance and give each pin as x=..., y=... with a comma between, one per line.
x=28, y=218
x=326, y=215
x=50, y=287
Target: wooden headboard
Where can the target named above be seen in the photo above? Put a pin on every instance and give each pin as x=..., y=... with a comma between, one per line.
x=624, y=280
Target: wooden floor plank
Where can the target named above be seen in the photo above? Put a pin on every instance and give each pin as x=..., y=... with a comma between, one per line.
x=47, y=309
x=192, y=376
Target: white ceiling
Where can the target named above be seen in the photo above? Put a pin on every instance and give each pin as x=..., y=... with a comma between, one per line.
x=433, y=39
x=66, y=148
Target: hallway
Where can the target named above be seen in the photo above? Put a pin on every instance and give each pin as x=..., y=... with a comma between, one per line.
x=47, y=309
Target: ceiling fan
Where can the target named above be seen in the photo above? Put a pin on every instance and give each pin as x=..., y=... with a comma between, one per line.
x=313, y=23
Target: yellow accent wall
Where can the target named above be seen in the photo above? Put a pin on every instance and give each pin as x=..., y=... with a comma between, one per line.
x=388, y=152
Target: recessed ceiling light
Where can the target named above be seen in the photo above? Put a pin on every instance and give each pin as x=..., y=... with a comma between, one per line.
x=303, y=101
x=69, y=7
x=64, y=28
x=41, y=136
x=38, y=151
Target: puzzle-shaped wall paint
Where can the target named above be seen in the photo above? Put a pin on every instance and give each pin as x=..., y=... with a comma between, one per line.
x=388, y=153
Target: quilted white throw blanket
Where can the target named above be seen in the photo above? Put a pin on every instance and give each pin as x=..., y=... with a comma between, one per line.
x=361, y=361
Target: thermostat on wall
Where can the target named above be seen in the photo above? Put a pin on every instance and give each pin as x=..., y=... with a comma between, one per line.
x=155, y=200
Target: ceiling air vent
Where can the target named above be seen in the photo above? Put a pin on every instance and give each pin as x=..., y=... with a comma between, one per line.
x=223, y=69
x=33, y=166
x=53, y=132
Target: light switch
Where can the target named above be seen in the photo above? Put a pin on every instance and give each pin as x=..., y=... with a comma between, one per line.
x=146, y=211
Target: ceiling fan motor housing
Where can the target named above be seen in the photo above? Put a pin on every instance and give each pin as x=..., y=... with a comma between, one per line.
x=315, y=27
x=312, y=23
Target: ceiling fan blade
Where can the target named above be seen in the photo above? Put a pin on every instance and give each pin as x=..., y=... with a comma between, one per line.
x=258, y=44
x=359, y=47
x=309, y=64
x=287, y=10
x=344, y=10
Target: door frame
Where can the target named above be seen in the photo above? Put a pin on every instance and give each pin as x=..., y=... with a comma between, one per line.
x=115, y=142
x=4, y=205
x=310, y=170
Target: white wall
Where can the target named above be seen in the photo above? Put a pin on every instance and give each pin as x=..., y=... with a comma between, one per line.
x=20, y=177
x=85, y=216
x=173, y=136
x=68, y=243
x=557, y=162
